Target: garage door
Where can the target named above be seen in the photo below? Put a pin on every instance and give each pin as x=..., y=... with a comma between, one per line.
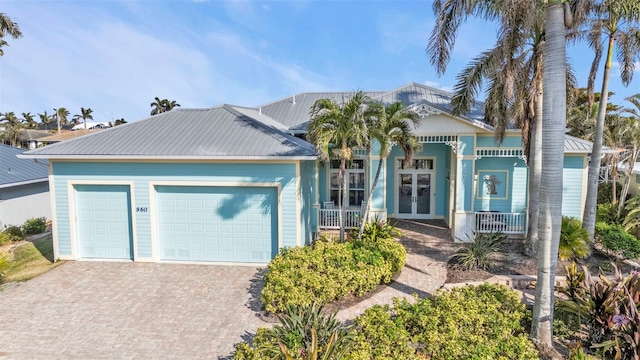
x=103, y=221
x=226, y=224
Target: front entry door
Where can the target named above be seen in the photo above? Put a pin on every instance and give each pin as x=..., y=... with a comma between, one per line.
x=414, y=195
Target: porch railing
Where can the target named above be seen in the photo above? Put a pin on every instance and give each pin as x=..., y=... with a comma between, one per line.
x=329, y=218
x=506, y=223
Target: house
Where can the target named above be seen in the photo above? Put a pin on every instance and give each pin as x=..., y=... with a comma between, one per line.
x=24, y=188
x=30, y=139
x=91, y=125
x=51, y=139
x=235, y=184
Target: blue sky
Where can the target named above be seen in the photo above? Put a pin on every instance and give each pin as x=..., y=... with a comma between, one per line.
x=115, y=57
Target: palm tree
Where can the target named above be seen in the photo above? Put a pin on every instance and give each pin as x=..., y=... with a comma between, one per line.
x=61, y=114
x=159, y=106
x=84, y=115
x=8, y=27
x=335, y=129
x=45, y=119
x=613, y=21
x=120, y=122
x=632, y=141
x=554, y=122
x=12, y=128
x=389, y=125
x=513, y=69
x=28, y=120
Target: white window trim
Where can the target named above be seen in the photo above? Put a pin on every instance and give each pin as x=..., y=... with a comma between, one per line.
x=331, y=171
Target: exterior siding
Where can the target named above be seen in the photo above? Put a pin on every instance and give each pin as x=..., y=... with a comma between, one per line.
x=508, y=141
x=516, y=200
x=572, y=186
x=308, y=217
x=141, y=174
x=20, y=203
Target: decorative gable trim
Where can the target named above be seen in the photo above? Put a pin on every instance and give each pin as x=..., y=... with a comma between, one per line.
x=495, y=152
x=424, y=110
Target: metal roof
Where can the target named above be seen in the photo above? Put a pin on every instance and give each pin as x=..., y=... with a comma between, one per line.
x=30, y=134
x=226, y=131
x=574, y=145
x=14, y=171
x=66, y=135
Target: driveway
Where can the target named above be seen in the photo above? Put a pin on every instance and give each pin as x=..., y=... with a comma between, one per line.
x=114, y=310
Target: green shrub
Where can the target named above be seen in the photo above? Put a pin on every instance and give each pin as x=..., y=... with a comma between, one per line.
x=379, y=229
x=574, y=240
x=615, y=238
x=4, y=238
x=327, y=271
x=480, y=254
x=305, y=332
x=14, y=233
x=605, y=192
x=608, y=213
x=482, y=322
x=4, y=263
x=35, y=226
x=379, y=336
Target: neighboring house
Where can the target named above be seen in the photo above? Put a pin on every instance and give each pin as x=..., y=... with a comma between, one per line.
x=24, y=188
x=634, y=186
x=233, y=184
x=30, y=139
x=91, y=125
x=67, y=135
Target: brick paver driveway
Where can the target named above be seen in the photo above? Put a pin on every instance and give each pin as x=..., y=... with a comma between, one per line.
x=112, y=310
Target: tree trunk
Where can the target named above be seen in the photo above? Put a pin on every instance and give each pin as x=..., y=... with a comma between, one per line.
x=627, y=180
x=591, y=203
x=554, y=122
x=535, y=169
x=365, y=216
x=59, y=125
x=342, y=196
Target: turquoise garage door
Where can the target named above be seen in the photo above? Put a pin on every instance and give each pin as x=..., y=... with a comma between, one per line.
x=103, y=219
x=226, y=224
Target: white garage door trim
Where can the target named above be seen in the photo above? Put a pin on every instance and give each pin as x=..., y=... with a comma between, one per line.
x=153, y=213
x=75, y=252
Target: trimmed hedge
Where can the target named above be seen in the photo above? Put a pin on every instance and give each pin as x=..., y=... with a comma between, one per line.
x=328, y=271
x=483, y=322
x=618, y=240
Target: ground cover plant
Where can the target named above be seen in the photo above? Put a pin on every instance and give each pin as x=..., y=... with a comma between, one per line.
x=617, y=240
x=28, y=260
x=480, y=253
x=329, y=270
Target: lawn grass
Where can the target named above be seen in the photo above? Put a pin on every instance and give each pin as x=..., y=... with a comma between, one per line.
x=30, y=259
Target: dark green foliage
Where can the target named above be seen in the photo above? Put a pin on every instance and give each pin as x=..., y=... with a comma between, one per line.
x=483, y=322
x=328, y=271
x=305, y=332
x=608, y=213
x=35, y=226
x=14, y=233
x=480, y=254
x=608, y=311
x=574, y=240
x=605, y=192
x=380, y=229
x=616, y=239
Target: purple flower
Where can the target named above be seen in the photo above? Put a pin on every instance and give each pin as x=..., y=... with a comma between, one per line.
x=620, y=319
x=634, y=272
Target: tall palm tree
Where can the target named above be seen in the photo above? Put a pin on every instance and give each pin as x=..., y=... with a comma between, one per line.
x=12, y=127
x=632, y=141
x=389, y=125
x=45, y=119
x=554, y=122
x=8, y=27
x=85, y=114
x=614, y=22
x=162, y=105
x=61, y=115
x=513, y=70
x=29, y=122
x=335, y=129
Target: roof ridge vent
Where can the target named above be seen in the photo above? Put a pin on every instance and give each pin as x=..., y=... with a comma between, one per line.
x=294, y=99
x=260, y=110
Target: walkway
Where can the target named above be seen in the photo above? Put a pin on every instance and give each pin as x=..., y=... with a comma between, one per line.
x=428, y=245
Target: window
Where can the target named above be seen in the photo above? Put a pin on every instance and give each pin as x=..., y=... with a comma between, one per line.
x=355, y=182
x=419, y=164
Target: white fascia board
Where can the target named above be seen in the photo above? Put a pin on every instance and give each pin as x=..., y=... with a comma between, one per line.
x=157, y=157
x=26, y=182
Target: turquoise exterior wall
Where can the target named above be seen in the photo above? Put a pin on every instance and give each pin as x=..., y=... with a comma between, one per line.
x=142, y=173
x=572, y=185
x=308, y=217
x=516, y=186
x=508, y=141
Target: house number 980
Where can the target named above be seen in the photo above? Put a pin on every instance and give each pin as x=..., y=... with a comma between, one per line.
x=141, y=209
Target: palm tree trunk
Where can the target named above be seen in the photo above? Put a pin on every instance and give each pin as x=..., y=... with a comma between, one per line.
x=365, y=216
x=591, y=203
x=554, y=118
x=535, y=169
x=85, y=123
x=59, y=125
x=627, y=180
x=342, y=196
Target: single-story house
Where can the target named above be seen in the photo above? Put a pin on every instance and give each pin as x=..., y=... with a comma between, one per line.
x=30, y=138
x=236, y=184
x=24, y=187
x=91, y=125
x=63, y=136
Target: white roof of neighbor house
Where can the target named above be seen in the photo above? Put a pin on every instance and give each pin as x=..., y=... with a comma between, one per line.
x=15, y=171
x=223, y=132
x=91, y=125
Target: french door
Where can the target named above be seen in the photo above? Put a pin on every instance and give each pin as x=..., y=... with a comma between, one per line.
x=414, y=194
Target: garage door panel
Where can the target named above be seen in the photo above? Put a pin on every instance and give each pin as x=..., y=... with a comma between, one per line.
x=217, y=223
x=103, y=221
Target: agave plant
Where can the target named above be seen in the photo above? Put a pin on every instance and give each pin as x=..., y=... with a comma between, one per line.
x=480, y=254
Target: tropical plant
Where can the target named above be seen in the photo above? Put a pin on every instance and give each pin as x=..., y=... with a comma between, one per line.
x=28, y=121
x=34, y=226
x=8, y=27
x=46, y=119
x=61, y=117
x=617, y=240
x=388, y=125
x=611, y=22
x=481, y=253
x=85, y=114
x=162, y=105
x=335, y=130
x=574, y=240
x=119, y=122
x=12, y=127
